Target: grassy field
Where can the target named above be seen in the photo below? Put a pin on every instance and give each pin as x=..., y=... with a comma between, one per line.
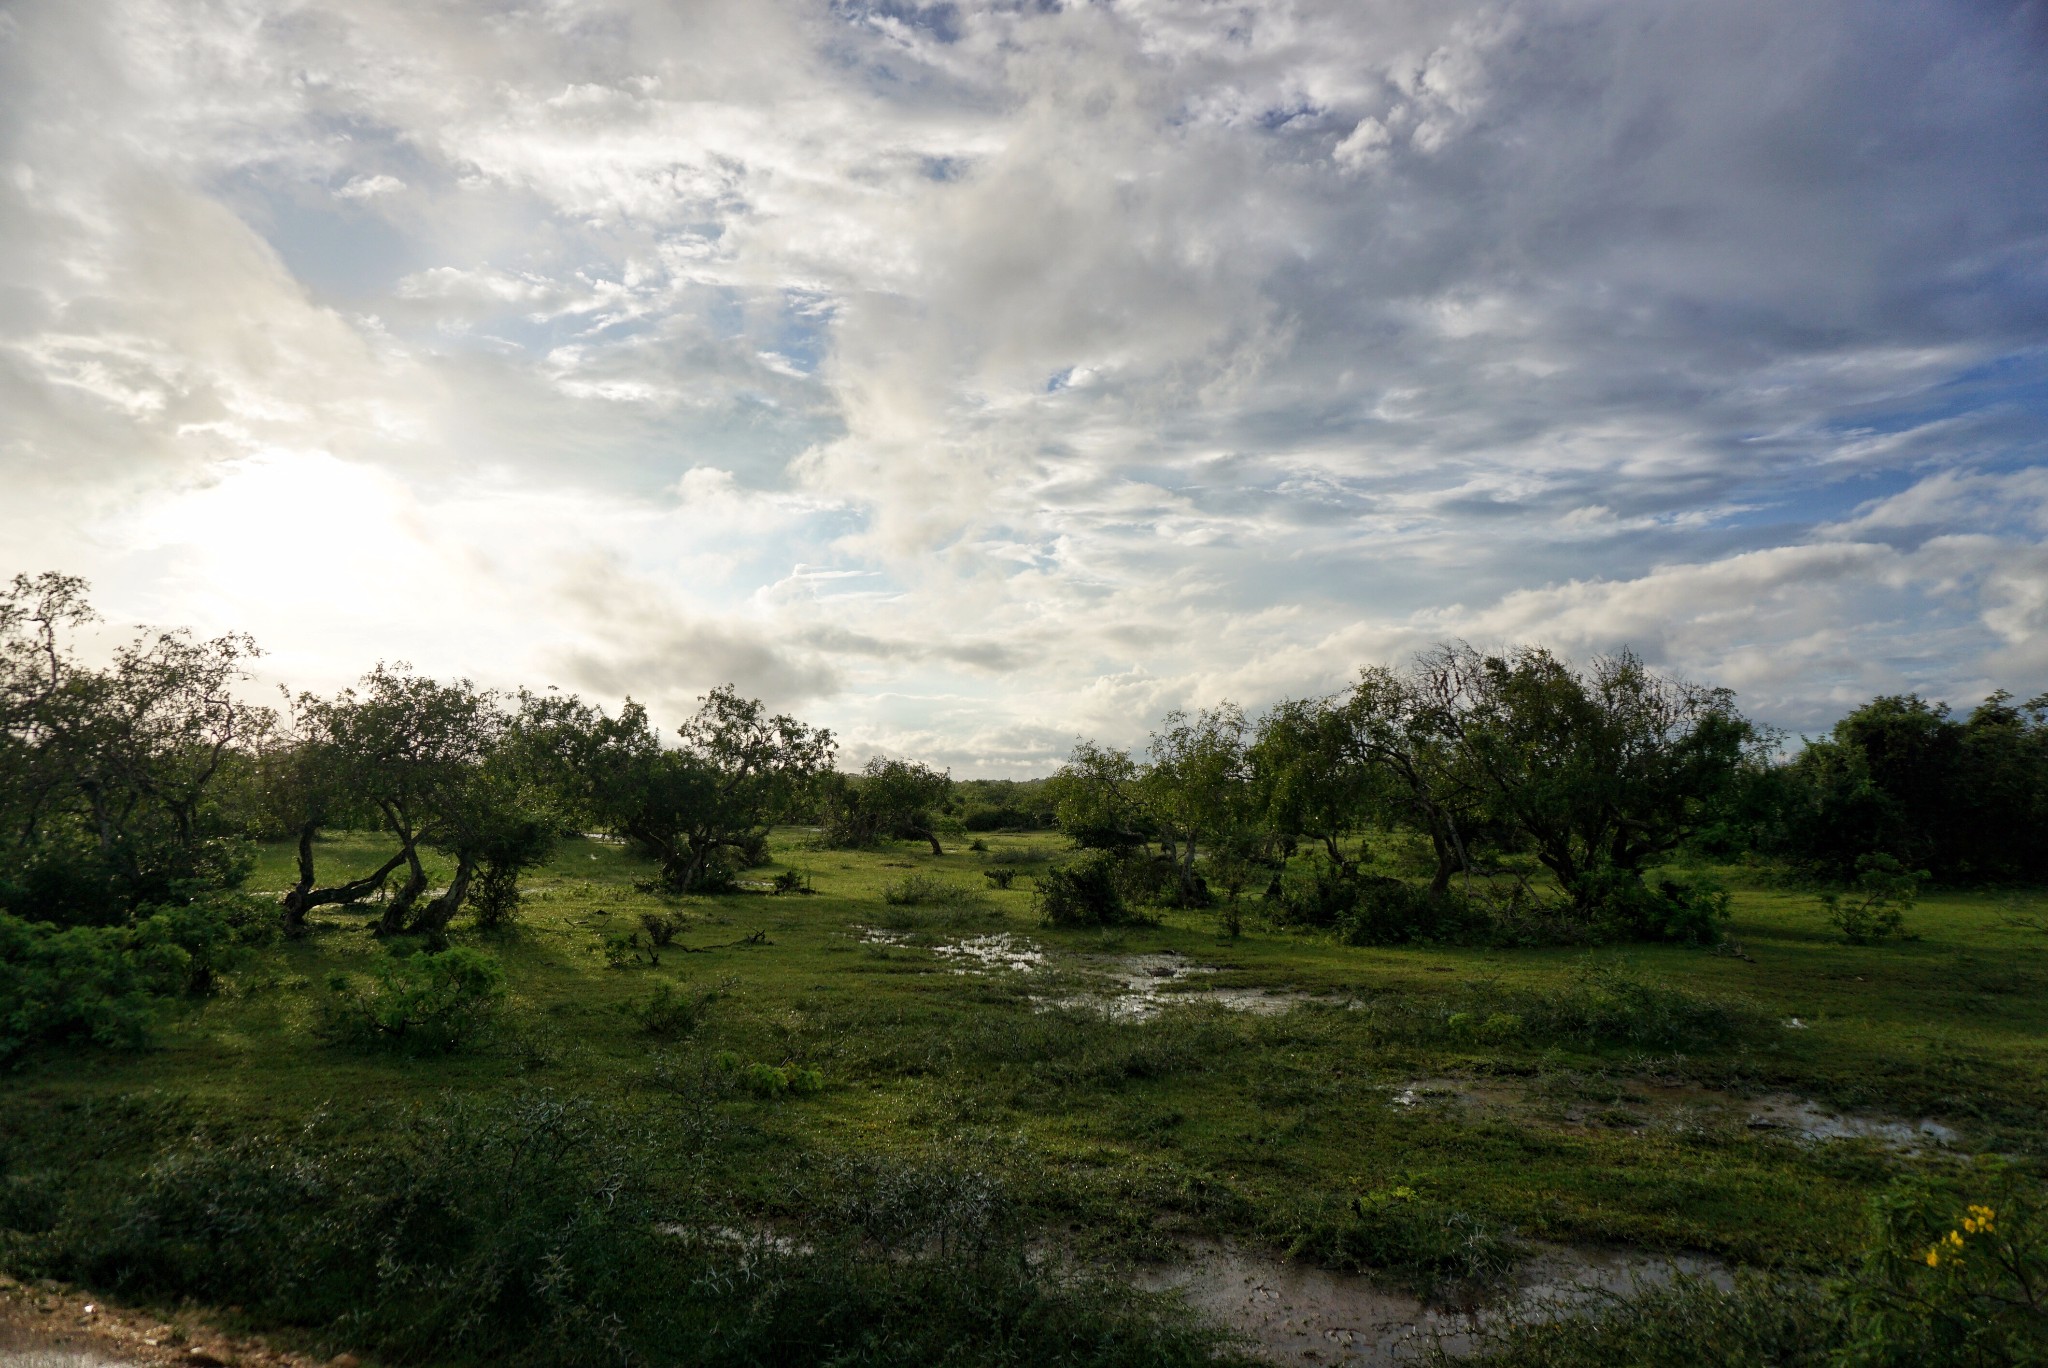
x=1600, y=1097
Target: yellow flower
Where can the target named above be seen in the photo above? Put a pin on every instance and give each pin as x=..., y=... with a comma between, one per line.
x=1955, y=1239
x=1934, y=1257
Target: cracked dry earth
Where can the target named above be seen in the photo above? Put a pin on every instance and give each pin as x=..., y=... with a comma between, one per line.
x=48, y=1325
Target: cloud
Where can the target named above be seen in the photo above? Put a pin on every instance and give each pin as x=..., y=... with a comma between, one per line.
x=980, y=373
x=369, y=187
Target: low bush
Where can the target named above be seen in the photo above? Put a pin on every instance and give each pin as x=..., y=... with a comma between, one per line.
x=1873, y=910
x=423, y=1004
x=769, y=1080
x=1002, y=876
x=920, y=889
x=672, y=1013
x=1610, y=1004
x=1435, y=1248
x=1619, y=905
x=662, y=928
x=105, y=984
x=534, y=1232
x=1776, y=1319
x=1954, y=1270
x=1367, y=909
x=74, y=984
x=1083, y=891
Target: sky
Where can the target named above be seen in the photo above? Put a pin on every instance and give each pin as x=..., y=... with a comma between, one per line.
x=971, y=377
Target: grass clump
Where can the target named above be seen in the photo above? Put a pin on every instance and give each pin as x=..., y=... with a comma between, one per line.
x=535, y=1231
x=1432, y=1246
x=919, y=889
x=1689, y=1322
x=672, y=1013
x=423, y=1004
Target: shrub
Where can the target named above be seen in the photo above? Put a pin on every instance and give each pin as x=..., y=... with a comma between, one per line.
x=1953, y=1271
x=1392, y=912
x=427, y=1004
x=185, y=949
x=788, y=881
x=1432, y=1246
x=662, y=927
x=1369, y=909
x=670, y=1015
x=920, y=889
x=104, y=984
x=1610, y=1005
x=1083, y=891
x=1874, y=909
x=978, y=846
x=1764, y=1318
x=508, y=1232
x=529, y=1233
x=1001, y=876
x=78, y=983
x=770, y=1080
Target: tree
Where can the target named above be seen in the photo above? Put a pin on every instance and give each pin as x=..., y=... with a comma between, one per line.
x=300, y=787
x=1307, y=775
x=108, y=776
x=890, y=798
x=1196, y=786
x=413, y=750
x=1096, y=799
x=1604, y=770
x=709, y=800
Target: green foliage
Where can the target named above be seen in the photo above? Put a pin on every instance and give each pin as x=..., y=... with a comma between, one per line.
x=1901, y=777
x=1777, y=1319
x=1955, y=1270
x=1368, y=909
x=104, y=984
x=701, y=807
x=662, y=928
x=919, y=889
x=1618, y=904
x=999, y=876
x=672, y=1013
x=1432, y=1246
x=1611, y=1004
x=1873, y=911
x=768, y=1081
x=422, y=1004
x=788, y=881
x=890, y=798
x=1086, y=890
x=531, y=1232
x=71, y=983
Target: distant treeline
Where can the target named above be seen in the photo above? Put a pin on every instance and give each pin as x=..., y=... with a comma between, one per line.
x=140, y=784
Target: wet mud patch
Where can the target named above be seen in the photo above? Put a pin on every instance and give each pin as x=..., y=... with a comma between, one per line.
x=1139, y=987
x=1296, y=1313
x=1645, y=1105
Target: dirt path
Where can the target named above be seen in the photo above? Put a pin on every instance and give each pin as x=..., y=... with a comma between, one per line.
x=48, y=1325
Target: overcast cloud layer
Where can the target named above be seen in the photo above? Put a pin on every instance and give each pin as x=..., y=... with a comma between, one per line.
x=972, y=376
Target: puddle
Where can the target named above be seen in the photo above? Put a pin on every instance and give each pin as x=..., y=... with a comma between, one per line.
x=1000, y=950
x=971, y=954
x=1643, y=1104
x=1146, y=984
x=1810, y=1121
x=1294, y=1313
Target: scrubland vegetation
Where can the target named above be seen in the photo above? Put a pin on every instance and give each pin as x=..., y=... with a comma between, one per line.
x=450, y=1027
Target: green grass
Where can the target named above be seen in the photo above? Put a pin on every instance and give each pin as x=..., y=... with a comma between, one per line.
x=1121, y=1135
